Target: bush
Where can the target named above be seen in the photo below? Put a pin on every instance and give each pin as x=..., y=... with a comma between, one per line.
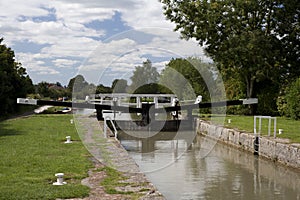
x=282, y=105
x=293, y=100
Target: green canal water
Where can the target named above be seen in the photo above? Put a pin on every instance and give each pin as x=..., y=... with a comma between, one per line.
x=204, y=169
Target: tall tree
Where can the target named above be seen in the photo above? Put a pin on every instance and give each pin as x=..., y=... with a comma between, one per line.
x=78, y=81
x=102, y=89
x=259, y=40
x=14, y=80
x=80, y=88
x=189, y=77
x=119, y=86
x=43, y=89
x=145, y=79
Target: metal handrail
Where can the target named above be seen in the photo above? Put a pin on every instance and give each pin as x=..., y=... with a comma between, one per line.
x=105, y=127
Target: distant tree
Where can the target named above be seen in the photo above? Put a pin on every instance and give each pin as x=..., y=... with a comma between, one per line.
x=78, y=81
x=103, y=89
x=80, y=88
x=145, y=79
x=119, y=86
x=190, y=77
x=43, y=89
x=14, y=81
x=58, y=84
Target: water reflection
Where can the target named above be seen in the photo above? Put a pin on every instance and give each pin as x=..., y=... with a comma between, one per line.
x=167, y=147
x=225, y=173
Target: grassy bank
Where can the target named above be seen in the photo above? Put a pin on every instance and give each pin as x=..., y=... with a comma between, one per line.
x=33, y=150
x=291, y=128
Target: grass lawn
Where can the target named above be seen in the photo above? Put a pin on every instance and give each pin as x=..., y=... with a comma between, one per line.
x=33, y=150
x=291, y=128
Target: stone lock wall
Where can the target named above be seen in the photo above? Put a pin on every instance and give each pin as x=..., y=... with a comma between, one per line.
x=288, y=154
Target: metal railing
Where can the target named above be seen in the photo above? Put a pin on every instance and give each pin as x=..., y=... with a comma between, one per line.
x=113, y=125
x=269, y=118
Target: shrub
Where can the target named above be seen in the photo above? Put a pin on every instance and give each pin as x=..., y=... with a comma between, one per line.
x=282, y=105
x=293, y=100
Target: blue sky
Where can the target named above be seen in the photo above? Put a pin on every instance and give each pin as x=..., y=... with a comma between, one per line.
x=103, y=40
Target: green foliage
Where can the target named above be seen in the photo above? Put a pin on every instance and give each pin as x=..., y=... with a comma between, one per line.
x=235, y=89
x=103, y=89
x=293, y=100
x=80, y=88
x=51, y=90
x=144, y=79
x=33, y=150
x=119, y=86
x=281, y=105
x=14, y=81
x=188, y=78
x=256, y=39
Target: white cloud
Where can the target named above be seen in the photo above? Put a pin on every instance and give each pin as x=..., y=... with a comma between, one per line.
x=146, y=13
x=14, y=8
x=65, y=63
x=34, y=64
x=67, y=36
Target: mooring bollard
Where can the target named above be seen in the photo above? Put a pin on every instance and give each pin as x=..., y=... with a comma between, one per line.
x=60, y=179
x=68, y=140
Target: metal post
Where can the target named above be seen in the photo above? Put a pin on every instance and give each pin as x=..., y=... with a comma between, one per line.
x=269, y=127
x=259, y=130
x=138, y=102
x=155, y=99
x=254, y=128
x=275, y=124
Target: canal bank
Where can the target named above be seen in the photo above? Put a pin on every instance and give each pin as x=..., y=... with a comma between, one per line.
x=276, y=149
x=110, y=156
x=207, y=169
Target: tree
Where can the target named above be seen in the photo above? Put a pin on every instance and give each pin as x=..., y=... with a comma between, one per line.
x=43, y=89
x=119, y=86
x=79, y=83
x=293, y=100
x=144, y=79
x=103, y=89
x=288, y=29
x=259, y=40
x=14, y=81
x=80, y=88
x=188, y=78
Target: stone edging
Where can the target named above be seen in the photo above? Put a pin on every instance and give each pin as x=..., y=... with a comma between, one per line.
x=274, y=149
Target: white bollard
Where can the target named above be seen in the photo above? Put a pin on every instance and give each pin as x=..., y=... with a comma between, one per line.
x=229, y=121
x=71, y=121
x=60, y=179
x=68, y=140
x=280, y=131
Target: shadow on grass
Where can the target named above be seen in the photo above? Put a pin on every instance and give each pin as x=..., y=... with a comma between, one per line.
x=7, y=130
